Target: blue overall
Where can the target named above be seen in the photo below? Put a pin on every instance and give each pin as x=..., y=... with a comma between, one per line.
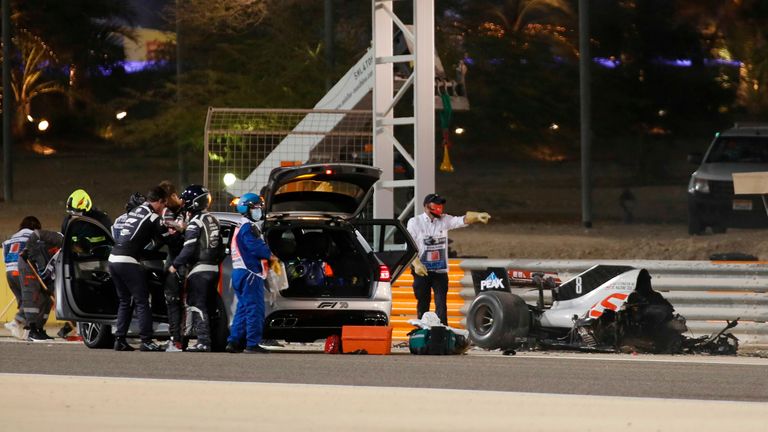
x=248, y=273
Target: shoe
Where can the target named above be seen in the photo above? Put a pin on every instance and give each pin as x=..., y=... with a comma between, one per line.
x=38, y=335
x=199, y=347
x=234, y=348
x=256, y=350
x=122, y=345
x=64, y=331
x=16, y=329
x=270, y=343
x=150, y=346
x=173, y=346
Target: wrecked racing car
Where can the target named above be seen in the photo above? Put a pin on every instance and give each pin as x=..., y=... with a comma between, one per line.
x=607, y=308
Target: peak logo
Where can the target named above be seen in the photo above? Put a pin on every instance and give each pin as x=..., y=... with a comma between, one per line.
x=490, y=279
x=492, y=282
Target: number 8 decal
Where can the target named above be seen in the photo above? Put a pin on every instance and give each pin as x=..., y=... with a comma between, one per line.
x=578, y=285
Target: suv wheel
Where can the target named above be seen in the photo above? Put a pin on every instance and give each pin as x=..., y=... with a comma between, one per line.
x=719, y=229
x=96, y=335
x=695, y=225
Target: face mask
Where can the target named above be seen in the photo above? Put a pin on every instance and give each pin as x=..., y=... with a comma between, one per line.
x=256, y=214
x=436, y=209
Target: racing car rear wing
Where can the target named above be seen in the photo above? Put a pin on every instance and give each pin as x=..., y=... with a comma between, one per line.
x=524, y=278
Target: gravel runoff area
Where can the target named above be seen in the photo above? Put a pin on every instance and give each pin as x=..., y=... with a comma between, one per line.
x=535, y=206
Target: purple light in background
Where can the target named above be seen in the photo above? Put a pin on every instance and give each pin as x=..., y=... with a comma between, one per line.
x=132, y=66
x=612, y=63
x=137, y=66
x=722, y=62
x=674, y=62
x=606, y=62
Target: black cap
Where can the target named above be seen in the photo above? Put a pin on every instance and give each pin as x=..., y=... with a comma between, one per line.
x=433, y=198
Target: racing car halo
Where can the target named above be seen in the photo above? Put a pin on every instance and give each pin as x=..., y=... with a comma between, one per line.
x=607, y=308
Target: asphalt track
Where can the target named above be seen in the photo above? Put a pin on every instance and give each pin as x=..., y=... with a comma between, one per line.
x=676, y=377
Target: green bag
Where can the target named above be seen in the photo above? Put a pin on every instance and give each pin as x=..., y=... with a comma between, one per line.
x=436, y=341
x=417, y=341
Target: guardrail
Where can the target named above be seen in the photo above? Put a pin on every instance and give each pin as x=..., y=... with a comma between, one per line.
x=706, y=293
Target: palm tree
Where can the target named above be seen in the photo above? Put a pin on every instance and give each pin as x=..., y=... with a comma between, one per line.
x=85, y=34
x=512, y=18
x=30, y=78
x=737, y=30
x=518, y=79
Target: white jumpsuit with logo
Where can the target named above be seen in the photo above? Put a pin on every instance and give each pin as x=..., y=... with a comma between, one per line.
x=431, y=237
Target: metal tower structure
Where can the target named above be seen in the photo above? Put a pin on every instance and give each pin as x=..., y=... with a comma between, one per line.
x=421, y=35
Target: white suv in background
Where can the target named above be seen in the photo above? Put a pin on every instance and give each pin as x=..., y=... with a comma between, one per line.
x=711, y=201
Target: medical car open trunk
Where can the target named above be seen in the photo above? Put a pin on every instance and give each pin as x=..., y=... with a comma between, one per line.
x=322, y=259
x=308, y=227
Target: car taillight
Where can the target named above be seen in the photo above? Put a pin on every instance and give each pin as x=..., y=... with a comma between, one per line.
x=384, y=273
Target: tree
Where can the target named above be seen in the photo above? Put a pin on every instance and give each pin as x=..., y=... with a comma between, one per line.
x=32, y=78
x=736, y=30
x=657, y=89
x=522, y=66
x=86, y=35
x=60, y=46
x=270, y=57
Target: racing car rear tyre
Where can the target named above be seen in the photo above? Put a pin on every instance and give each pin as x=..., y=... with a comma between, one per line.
x=496, y=318
x=96, y=335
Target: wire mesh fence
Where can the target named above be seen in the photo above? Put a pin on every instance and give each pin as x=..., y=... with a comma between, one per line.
x=242, y=146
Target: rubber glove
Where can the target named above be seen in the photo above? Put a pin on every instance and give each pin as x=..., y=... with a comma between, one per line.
x=475, y=217
x=418, y=267
x=274, y=265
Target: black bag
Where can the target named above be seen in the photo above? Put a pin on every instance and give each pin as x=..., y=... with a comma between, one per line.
x=438, y=340
x=441, y=341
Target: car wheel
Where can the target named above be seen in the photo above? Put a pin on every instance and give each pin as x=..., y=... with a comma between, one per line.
x=219, y=326
x=695, y=225
x=719, y=229
x=496, y=318
x=96, y=335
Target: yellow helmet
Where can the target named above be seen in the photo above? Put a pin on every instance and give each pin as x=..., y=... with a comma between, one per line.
x=79, y=201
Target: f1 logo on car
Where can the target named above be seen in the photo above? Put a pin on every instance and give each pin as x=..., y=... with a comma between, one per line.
x=492, y=282
x=332, y=305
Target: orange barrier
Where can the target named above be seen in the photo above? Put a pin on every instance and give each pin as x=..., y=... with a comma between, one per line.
x=404, y=303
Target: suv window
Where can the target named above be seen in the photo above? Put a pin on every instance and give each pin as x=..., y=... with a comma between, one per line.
x=739, y=149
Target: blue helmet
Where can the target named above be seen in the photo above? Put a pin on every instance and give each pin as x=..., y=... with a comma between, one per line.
x=247, y=202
